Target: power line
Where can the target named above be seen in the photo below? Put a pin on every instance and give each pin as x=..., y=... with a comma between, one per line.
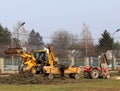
x=81, y=39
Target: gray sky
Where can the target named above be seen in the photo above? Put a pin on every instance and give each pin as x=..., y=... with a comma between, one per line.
x=47, y=16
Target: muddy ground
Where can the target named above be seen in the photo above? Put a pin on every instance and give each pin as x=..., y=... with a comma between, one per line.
x=29, y=79
x=39, y=79
x=34, y=79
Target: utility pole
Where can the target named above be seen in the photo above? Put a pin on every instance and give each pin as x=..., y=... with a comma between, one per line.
x=17, y=38
x=19, y=28
x=85, y=35
x=113, y=48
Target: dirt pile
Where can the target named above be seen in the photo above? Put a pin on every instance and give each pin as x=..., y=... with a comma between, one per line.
x=34, y=79
x=21, y=79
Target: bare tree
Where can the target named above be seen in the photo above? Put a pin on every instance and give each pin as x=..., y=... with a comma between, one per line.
x=74, y=41
x=86, y=43
x=74, y=49
x=61, y=42
x=64, y=42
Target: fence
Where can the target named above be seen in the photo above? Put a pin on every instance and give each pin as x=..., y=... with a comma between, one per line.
x=12, y=65
x=81, y=62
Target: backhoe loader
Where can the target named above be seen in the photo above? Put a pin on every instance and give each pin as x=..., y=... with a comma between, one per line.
x=34, y=60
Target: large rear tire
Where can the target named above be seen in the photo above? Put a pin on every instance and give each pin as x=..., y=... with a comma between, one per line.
x=94, y=74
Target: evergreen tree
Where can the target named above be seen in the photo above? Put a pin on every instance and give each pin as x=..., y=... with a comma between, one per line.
x=34, y=41
x=39, y=39
x=5, y=36
x=105, y=43
x=31, y=38
x=5, y=39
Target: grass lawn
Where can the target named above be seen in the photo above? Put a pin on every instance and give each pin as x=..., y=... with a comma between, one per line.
x=62, y=85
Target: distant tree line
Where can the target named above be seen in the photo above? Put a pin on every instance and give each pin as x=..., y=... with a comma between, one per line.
x=82, y=45
x=62, y=41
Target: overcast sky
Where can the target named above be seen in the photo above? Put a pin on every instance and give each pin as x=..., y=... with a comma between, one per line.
x=47, y=16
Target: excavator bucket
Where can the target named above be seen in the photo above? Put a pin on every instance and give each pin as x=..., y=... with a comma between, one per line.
x=13, y=51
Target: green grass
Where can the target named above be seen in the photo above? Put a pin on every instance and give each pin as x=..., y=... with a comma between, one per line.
x=81, y=85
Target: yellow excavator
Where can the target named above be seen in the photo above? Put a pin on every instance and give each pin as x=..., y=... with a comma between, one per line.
x=34, y=60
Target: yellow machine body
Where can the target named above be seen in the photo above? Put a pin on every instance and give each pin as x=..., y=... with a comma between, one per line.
x=33, y=61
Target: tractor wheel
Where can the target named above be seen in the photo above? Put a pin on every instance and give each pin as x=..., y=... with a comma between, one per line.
x=86, y=74
x=107, y=76
x=33, y=70
x=94, y=74
x=50, y=77
x=76, y=76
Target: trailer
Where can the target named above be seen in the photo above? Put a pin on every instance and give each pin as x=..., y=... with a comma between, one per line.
x=71, y=71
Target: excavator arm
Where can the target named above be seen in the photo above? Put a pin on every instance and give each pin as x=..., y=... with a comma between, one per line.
x=51, y=57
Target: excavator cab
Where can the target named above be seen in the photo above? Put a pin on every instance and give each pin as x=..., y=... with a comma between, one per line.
x=43, y=57
x=40, y=56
